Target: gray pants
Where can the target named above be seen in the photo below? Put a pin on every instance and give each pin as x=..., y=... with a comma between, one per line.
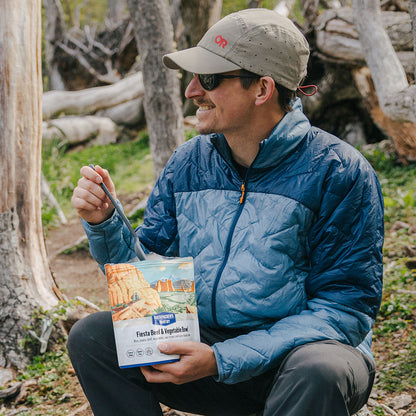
x=323, y=378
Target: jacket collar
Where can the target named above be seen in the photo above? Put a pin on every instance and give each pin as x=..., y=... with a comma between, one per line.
x=285, y=137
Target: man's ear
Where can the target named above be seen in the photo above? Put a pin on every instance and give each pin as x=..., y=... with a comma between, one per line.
x=265, y=91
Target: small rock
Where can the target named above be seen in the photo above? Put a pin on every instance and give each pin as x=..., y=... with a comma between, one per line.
x=6, y=375
x=401, y=401
x=375, y=393
x=411, y=263
x=398, y=225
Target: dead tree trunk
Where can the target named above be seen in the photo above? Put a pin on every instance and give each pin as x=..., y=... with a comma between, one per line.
x=412, y=12
x=162, y=102
x=397, y=100
x=116, y=10
x=337, y=49
x=26, y=281
x=191, y=19
x=54, y=33
x=309, y=12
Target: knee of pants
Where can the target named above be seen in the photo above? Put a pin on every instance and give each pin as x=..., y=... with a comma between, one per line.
x=88, y=333
x=317, y=364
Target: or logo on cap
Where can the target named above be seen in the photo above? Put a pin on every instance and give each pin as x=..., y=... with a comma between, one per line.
x=220, y=41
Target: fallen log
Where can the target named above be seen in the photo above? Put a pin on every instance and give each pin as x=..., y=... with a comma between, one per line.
x=90, y=100
x=337, y=38
x=77, y=130
x=130, y=113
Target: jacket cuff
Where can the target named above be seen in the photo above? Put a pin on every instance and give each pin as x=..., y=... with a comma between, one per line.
x=221, y=376
x=114, y=220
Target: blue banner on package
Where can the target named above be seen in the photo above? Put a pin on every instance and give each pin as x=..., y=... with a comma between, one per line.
x=163, y=318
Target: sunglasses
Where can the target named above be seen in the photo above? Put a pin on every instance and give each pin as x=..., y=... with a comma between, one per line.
x=211, y=81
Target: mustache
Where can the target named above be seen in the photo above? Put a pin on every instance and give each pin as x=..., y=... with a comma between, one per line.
x=201, y=103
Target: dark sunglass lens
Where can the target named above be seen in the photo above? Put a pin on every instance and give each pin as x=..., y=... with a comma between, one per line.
x=208, y=81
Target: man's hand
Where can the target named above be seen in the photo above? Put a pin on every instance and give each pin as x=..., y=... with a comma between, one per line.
x=89, y=199
x=197, y=360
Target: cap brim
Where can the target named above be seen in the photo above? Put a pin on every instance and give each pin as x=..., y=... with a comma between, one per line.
x=199, y=61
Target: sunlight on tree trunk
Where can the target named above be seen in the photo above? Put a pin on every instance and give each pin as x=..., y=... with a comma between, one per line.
x=26, y=281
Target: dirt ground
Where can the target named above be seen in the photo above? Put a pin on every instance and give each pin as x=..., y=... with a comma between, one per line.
x=77, y=274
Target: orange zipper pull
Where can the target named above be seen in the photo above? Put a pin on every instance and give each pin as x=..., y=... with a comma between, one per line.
x=243, y=192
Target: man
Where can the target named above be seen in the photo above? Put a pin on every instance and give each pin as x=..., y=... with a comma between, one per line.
x=285, y=225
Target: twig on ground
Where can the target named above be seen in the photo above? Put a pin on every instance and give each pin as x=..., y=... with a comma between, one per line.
x=17, y=411
x=373, y=403
x=87, y=303
x=79, y=409
x=408, y=292
x=11, y=391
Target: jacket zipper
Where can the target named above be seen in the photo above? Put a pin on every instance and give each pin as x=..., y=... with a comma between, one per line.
x=243, y=190
x=227, y=251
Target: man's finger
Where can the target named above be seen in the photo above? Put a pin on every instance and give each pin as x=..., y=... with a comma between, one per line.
x=153, y=375
x=105, y=178
x=91, y=174
x=176, y=347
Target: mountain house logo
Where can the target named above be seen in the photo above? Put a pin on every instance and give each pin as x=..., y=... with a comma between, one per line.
x=163, y=318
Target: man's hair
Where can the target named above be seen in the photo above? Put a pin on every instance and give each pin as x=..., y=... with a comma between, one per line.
x=285, y=96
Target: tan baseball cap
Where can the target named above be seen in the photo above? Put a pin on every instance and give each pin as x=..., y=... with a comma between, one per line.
x=257, y=40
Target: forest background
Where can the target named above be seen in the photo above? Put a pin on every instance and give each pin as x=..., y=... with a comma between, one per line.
x=48, y=386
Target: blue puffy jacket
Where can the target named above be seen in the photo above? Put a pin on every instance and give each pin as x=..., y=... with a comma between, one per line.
x=290, y=254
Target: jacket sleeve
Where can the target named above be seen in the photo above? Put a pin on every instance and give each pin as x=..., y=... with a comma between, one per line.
x=343, y=287
x=112, y=242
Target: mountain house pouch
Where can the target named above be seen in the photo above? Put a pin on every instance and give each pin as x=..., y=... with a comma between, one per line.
x=152, y=301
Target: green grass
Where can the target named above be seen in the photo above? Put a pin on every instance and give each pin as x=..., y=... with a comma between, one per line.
x=52, y=384
x=129, y=164
x=395, y=329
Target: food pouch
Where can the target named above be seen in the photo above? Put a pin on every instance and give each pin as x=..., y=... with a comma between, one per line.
x=152, y=301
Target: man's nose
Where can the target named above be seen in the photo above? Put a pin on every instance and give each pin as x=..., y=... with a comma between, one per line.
x=194, y=88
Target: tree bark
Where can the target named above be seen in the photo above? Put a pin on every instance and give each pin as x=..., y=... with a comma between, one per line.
x=162, y=103
x=26, y=281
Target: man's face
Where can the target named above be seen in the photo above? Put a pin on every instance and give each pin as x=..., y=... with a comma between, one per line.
x=226, y=109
